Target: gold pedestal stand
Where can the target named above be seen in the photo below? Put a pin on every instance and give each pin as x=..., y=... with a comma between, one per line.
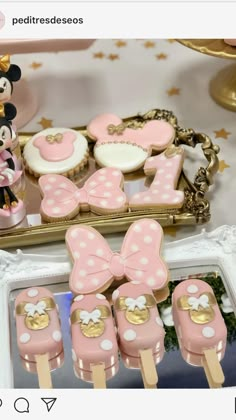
x=222, y=87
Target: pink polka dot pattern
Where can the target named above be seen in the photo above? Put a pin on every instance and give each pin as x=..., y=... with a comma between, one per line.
x=107, y=266
x=162, y=191
x=63, y=200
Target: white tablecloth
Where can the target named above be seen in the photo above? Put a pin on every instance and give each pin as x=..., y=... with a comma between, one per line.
x=131, y=76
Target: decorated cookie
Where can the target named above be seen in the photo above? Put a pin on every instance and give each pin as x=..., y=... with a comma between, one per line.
x=96, y=266
x=101, y=194
x=127, y=148
x=12, y=209
x=56, y=151
x=9, y=73
x=162, y=193
x=94, y=344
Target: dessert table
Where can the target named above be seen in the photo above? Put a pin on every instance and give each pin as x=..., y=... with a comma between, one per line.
x=129, y=77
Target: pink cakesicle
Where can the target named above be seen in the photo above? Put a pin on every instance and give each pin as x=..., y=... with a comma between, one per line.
x=39, y=337
x=94, y=344
x=200, y=328
x=140, y=329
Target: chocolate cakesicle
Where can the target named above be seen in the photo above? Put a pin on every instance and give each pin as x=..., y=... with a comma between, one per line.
x=140, y=329
x=200, y=328
x=39, y=337
x=94, y=343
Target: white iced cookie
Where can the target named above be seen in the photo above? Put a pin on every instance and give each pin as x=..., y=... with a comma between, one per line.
x=127, y=148
x=56, y=151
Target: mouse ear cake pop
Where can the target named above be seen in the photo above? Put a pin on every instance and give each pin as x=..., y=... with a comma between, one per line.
x=12, y=209
x=127, y=148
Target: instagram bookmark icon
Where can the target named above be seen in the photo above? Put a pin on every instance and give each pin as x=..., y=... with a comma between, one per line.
x=2, y=20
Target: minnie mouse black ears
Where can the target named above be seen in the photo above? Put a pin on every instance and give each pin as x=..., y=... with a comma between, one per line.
x=14, y=73
x=7, y=111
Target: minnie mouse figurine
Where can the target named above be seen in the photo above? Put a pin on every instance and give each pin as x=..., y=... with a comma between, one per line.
x=9, y=73
x=12, y=210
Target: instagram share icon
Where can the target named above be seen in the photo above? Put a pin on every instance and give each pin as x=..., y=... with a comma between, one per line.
x=2, y=20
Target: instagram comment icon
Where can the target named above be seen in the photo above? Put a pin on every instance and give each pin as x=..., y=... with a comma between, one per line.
x=2, y=20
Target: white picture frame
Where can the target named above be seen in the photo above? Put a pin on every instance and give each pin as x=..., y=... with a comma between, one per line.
x=216, y=249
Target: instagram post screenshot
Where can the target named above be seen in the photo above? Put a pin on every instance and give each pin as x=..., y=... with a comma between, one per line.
x=117, y=209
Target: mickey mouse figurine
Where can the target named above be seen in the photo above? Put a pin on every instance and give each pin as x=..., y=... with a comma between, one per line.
x=12, y=210
x=9, y=73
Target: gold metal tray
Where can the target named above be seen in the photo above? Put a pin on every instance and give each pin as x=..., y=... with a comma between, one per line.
x=196, y=208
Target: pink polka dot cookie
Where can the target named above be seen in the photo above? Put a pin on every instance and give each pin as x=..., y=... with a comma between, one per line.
x=56, y=151
x=96, y=266
x=127, y=148
x=101, y=194
x=162, y=192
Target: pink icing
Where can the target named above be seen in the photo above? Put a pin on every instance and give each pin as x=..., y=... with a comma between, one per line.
x=162, y=190
x=195, y=338
x=94, y=350
x=34, y=342
x=56, y=151
x=133, y=338
x=5, y=182
x=156, y=134
x=100, y=193
x=96, y=266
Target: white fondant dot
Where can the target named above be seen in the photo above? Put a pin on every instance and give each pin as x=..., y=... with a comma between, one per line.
x=153, y=226
x=180, y=193
x=76, y=255
x=105, y=266
x=91, y=235
x=24, y=338
x=74, y=234
x=120, y=199
x=32, y=292
x=58, y=192
x=52, y=179
x=147, y=239
x=134, y=248
x=115, y=294
x=48, y=187
x=136, y=196
x=151, y=281
x=147, y=198
x=79, y=298
x=155, y=191
x=82, y=273
x=108, y=184
x=135, y=282
x=95, y=281
x=50, y=202
x=56, y=335
x=208, y=332
x=167, y=187
x=106, y=345
x=168, y=164
x=159, y=321
x=160, y=171
x=144, y=261
x=74, y=357
x=99, y=252
x=156, y=183
x=162, y=157
x=79, y=285
x=160, y=273
x=100, y=296
x=93, y=192
x=138, y=273
x=92, y=184
x=176, y=200
x=168, y=176
x=102, y=178
x=192, y=288
x=63, y=185
x=91, y=263
x=103, y=203
x=165, y=196
x=56, y=210
x=82, y=244
x=107, y=194
x=137, y=228
x=129, y=335
x=115, y=173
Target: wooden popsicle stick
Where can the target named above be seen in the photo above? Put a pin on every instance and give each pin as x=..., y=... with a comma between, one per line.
x=43, y=370
x=99, y=376
x=148, y=369
x=213, y=369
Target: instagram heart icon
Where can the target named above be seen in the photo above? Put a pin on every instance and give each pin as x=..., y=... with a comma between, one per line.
x=2, y=20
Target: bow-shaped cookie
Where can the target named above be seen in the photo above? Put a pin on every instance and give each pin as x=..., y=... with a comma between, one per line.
x=91, y=323
x=96, y=266
x=200, y=308
x=5, y=63
x=101, y=194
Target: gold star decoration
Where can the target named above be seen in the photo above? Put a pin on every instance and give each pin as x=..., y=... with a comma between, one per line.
x=171, y=41
x=98, y=55
x=120, y=43
x=113, y=57
x=161, y=56
x=173, y=91
x=171, y=230
x=149, y=44
x=45, y=123
x=223, y=165
x=222, y=133
x=35, y=65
